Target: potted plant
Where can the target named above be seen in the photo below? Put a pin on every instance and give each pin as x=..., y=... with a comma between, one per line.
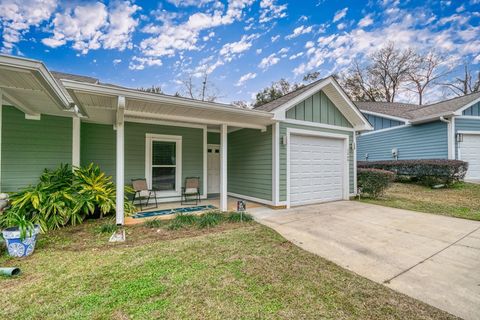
x=21, y=239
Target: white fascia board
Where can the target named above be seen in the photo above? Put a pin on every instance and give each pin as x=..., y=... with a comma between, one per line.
x=432, y=118
x=34, y=65
x=459, y=112
x=385, y=130
x=386, y=116
x=153, y=97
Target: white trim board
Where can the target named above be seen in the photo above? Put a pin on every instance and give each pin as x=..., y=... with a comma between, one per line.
x=205, y=164
x=253, y=199
x=164, y=123
x=468, y=132
x=465, y=107
x=385, y=130
x=317, y=125
x=346, y=172
x=276, y=163
x=381, y=115
x=149, y=138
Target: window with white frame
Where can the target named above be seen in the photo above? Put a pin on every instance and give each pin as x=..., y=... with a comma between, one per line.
x=163, y=162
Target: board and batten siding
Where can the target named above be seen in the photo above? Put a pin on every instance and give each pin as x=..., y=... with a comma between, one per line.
x=98, y=145
x=425, y=141
x=283, y=154
x=473, y=110
x=319, y=109
x=249, y=163
x=29, y=146
x=381, y=122
x=464, y=124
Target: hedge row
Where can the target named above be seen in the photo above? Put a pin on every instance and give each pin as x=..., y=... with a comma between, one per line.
x=374, y=182
x=429, y=172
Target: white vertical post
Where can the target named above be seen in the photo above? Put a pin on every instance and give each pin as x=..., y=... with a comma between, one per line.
x=76, y=141
x=1, y=107
x=223, y=168
x=120, y=161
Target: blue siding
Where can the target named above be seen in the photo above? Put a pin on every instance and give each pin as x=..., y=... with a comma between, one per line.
x=382, y=123
x=425, y=141
x=466, y=125
x=473, y=110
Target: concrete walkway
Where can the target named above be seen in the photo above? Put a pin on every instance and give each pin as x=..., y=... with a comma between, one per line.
x=432, y=258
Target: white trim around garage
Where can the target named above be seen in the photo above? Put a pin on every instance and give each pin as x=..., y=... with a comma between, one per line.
x=346, y=175
x=317, y=125
x=468, y=132
x=253, y=199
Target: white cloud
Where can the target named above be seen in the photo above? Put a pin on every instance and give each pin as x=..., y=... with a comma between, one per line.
x=284, y=50
x=17, y=17
x=229, y=50
x=270, y=11
x=365, y=21
x=116, y=61
x=170, y=38
x=295, y=56
x=340, y=14
x=139, y=63
x=245, y=78
x=189, y=3
x=258, y=51
x=269, y=61
x=93, y=25
x=341, y=26
x=299, y=31
x=309, y=44
x=275, y=38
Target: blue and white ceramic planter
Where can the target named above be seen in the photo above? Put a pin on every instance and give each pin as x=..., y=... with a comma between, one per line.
x=15, y=246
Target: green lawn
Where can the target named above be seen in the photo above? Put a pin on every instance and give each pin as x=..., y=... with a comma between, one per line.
x=231, y=271
x=460, y=201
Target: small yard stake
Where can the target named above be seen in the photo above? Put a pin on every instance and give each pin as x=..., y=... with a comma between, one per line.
x=118, y=236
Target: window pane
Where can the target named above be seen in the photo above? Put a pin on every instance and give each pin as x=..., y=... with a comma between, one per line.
x=163, y=153
x=163, y=178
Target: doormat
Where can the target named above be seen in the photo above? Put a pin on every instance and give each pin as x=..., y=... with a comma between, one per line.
x=172, y=211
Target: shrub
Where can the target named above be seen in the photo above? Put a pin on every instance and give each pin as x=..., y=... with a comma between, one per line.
x=181, y=221
x=210, y=219
x=107, y=228
x=63, y=196
x=153, y=223
x=239, y=217
x=374, y=182
x=429, y=172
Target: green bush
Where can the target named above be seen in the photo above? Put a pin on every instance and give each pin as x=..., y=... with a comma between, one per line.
x=239, y=217
x=107, y=228
x=182, y=220
x=63, y=196
x=153, y=223
x=428, y=172
x=374, y=182
x=210, y=219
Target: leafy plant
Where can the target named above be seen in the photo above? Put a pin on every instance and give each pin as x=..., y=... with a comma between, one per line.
x=187, y=219
x=239, y=217
x=107, y=228
x=63, y=196
x=374, y=182
x=210, y=219
x=153, y=223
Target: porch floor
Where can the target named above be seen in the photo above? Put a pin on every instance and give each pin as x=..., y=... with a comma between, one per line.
x=232, y=206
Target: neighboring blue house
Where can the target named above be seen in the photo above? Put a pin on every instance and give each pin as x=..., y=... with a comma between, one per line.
x=448, y=129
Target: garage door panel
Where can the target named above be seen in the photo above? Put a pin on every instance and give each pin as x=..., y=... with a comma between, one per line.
x=316, y=169
x=469, y=150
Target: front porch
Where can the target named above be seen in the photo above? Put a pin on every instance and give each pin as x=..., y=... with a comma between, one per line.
x=215, y=202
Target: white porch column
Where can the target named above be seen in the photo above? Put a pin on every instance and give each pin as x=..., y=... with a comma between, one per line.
x=76, y=142
x=120, y=162
x=223, y=168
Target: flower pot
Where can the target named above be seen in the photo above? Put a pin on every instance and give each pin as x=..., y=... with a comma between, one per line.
x=16, y=246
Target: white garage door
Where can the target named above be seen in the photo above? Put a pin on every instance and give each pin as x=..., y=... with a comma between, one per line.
x=469, y=150
x=316, y=169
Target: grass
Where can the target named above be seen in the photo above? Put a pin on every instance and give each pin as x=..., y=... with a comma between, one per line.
x=229, y=271
x=460, y=201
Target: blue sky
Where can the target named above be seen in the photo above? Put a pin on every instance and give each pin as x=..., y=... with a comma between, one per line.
x=244, y=45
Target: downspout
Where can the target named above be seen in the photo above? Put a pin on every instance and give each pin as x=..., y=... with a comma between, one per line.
x=449, y=136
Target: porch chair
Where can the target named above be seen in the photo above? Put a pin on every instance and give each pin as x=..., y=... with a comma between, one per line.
x=191, y=189
x=142, y=192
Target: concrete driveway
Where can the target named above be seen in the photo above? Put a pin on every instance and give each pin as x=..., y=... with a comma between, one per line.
x=432, y=258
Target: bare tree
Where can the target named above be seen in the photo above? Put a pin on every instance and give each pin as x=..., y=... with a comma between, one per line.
x=241, y=104
x=382, y=78
x=274, y=91
x=152, y=89
x=203, y=90
x=465, y=84
x=426, y=70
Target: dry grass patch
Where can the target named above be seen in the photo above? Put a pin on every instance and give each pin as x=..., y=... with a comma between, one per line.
x=230, y=271
x=460, y=201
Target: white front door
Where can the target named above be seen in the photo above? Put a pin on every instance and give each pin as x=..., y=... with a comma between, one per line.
x=469, y=151
x=317, y=169
x=213, y=168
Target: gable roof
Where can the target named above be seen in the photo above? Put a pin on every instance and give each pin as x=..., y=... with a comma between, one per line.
x=417, y=113
x=270, y=106
x=75, y=77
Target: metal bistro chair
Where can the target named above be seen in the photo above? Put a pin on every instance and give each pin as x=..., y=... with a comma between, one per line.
x=142, y=192
x=191, y=189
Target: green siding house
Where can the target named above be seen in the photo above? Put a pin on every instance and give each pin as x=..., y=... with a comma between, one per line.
x=298, y=149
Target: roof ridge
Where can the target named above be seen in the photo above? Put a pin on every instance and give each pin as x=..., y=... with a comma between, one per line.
x=450, y=99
